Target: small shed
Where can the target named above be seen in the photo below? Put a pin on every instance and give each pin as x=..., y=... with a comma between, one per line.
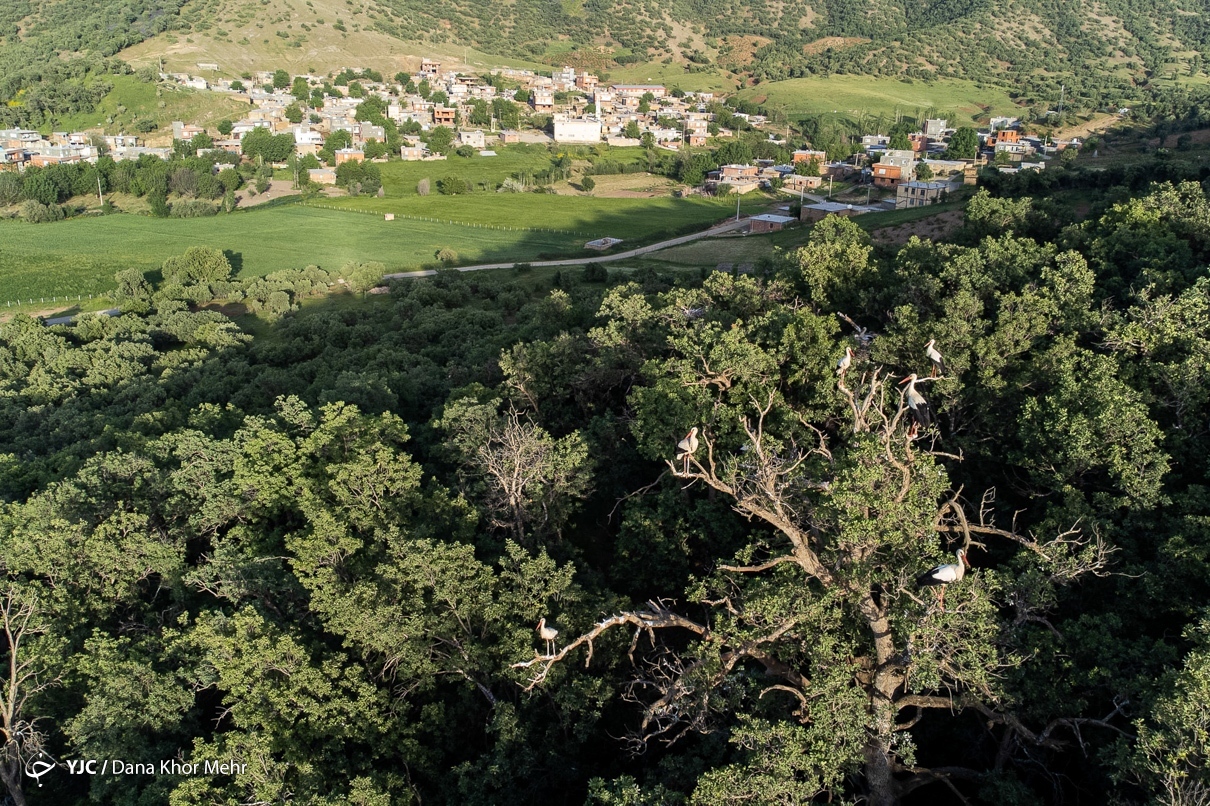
x=769, y=222
x=601, y=244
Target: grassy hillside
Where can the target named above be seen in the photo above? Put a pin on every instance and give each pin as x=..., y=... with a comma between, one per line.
x=857, y=95
x=324, y=35
x=132, y=100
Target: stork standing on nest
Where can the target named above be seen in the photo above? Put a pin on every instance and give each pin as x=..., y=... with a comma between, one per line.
x=547, y=634
x=934, y=356
x=686, y=448
x=943, y=575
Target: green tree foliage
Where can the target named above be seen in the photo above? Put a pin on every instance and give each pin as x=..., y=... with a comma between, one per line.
x=324, y=549
x=262, y=143
x=963, y=144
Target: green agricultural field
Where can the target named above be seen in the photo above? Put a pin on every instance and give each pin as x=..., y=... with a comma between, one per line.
x=132, y=100
x=400, y=178
x=80, y=256
x=857, y=95
x=634, y=220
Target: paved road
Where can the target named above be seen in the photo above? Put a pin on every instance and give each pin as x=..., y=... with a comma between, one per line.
x=642, y=250
x=67, y=320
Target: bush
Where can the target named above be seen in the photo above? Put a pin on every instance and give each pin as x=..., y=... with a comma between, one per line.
x=193, y=209
x=422, y=187
x=588, y=183
x=39, y=213
x=447, y=255
x=451, y=186
x=595, y=273
x=465, y=151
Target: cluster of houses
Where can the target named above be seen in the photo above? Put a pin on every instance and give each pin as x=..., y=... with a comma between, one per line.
x=22, y=148
x=582, y=110
x=919, y=175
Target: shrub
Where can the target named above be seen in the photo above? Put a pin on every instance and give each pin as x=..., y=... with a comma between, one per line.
x=595, y=273
x=588, y=183
x=451, y=186
x=39, y=213
x=447, y=255
x=422, y=187
x=193, y=209
x=465, y=151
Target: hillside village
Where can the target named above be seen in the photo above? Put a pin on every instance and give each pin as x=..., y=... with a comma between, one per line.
x=317, y=124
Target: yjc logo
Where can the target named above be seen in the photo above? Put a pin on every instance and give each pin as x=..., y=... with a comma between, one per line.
x=36, y=768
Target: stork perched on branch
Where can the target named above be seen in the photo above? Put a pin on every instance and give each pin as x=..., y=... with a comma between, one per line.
x=934, y=355
x=686, y=448
x=547, y=634
x=943, y=575
x=918, y=407
x=846, y=360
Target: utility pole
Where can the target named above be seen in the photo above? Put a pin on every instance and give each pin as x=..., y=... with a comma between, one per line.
x=737, y=207
x=829, y=186
x=100, y=198
x=1062, y=94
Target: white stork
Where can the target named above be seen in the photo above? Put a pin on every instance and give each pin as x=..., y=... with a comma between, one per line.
x=943, y=575
x=934, y=355
x=686, y=447
x=547, y=634
x=846, y=360
x=922, y=414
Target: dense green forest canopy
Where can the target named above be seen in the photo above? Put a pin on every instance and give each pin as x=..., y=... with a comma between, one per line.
x=322, y=551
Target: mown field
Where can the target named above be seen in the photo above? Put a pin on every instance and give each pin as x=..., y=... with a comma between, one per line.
x=80, y=256
x=857, y=95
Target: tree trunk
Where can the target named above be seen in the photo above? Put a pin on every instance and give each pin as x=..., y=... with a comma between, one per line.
x=879, y=758
x=10, y=775
x=878, y=773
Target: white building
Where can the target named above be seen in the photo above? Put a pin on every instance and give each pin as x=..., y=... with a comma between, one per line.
x=582, y=130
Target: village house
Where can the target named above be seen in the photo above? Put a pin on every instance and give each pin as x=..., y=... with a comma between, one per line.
x=473, y=138
x=12, y=159
x=322, y=176
x=798, y=184
x=565, y=78
x=344, y=155
x=443, y=116
x=919, y=194
x=806, y=155
x=587, y=82
x=185, y=131
x=430, y=68
x=411, y=153
x=769, y=222
x=55, y=155
x=542, y=100
x=509, y=136
x=935, y=128
x=580, y=130
x=887, y=176
x=639, y=90
x=821, y=210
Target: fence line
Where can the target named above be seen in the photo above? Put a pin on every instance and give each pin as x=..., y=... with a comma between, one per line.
x=42, y=300
x=451, y=222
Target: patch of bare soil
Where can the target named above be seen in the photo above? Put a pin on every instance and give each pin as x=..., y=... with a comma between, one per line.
x=934, y=228
x=1198, y=137
x=277, y=189
x=834, y=42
